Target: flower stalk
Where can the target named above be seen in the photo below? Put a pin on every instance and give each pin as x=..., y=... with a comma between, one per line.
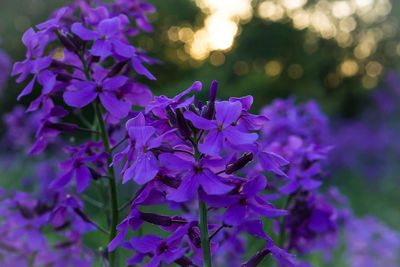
x=112, y=183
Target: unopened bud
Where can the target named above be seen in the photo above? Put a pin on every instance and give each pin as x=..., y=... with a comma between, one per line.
x=95, y=174
x=64, y=77
x=182, y=124
x=209, y=111
x=240, y=163
x=256, y=259
x=67, y=42
x=170, y=181
x=194, y=109
x=171, y=116
x=58, y=64
x=213, y=91
x=194, y=237
x=82, y=215
x=25, y=211
x=156, y=219
x=62, y=126
x=184, y=261
x=117, y=68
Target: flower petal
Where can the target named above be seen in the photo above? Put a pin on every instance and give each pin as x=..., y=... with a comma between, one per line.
x=145, y=243
x=186, y=191
x=199, y=122
x=139, y=68
x=109, y=27
x=114, y=82
x=79, y=98
x=212, y=144
x=234, y=215
x=28, y=89
x=141, y=135
x=83, y=177
x=237, y=137
x=83, y=32
x=227, y=112
x=210, y=183
x=61, y=181
x=101, y=49
x=119, y=237
x=252, y=187
x=174, y=163
x=116, y=107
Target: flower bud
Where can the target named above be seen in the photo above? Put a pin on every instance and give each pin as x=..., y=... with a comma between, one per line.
x=95, y=174
x=64, y=77
x=194, y=109
x=25, y=211
x=184, y=261
x=169, y=181
x=171, y=116
x=58, y=64
x=182, y=124
x=209, y=111
x=117, y=68
x=194, y=237
x=166, y=148
x=83, y=215
x=256, y=259
x=67, y=42
x=213, y=91
x=41, y=208
x=62, y=126
x=156, y=219
x=240, y=163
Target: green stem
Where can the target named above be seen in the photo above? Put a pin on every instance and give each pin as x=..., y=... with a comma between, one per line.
x=282, y=232
x=205, y=244
x=113, y=185
x=203, y=221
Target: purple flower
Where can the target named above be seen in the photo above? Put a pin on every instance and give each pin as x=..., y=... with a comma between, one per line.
x=221, y=128
x=160, y=103
x=196, y=175
x=240, y=205
x=162, y=250
x=87, y=91
x=76, y=166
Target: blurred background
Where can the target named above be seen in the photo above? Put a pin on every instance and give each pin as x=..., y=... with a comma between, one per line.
x=344, y=54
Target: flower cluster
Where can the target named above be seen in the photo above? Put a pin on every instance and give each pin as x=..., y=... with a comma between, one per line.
x=180, y=150
x=28, y=219
x=223, y=172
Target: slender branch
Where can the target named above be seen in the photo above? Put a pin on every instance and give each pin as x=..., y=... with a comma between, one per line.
x=184, y=151
x=84, y=120
x=219, y=172
x=282, y=232
x=95, y=224
x=92, y=201
x=119, y=143
x=88, y=130
x=216, y=232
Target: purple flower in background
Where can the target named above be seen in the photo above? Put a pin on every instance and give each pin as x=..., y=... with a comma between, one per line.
x=76, y=166
x=373, y=244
